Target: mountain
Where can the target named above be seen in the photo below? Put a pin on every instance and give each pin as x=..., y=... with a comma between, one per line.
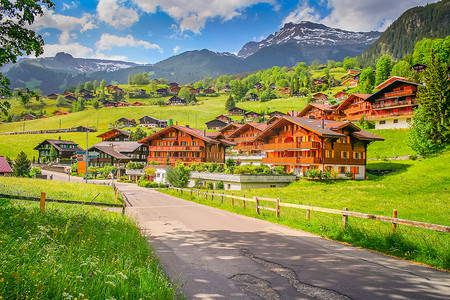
x=430, y=21
x=67, y=63
x=307, y=34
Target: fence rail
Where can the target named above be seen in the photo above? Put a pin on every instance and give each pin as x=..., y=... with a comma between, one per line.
x=43, y=200
x=344, y=212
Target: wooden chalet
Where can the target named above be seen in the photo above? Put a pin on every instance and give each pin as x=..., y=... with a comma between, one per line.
x=115, y=89
x=229, y=129
x=122, y=104
x=275, y=113
x=109, y=104
x=272, y=86
x=320, y=97
x=114, y=135
x=28, y=117
x=174, y=89
x=69, y=94
x=226, y=88
x=339, y=96
x=300, y=144
x=41, y=116
x=320, y=81
x=186, y=145
x=243, y=138
x=65, y=149
x=177, y=101
x=253, y=97
x=251, y=115
x=70, y=98
x=216, y=124
x=258, y=86
x=273, y=119
x=161, y=92
x=354, y=107
x=52, y=96
x=319, y=111
x=127, y=122
x=389, y=81
x=394, y=104
x=352, y=72
x=138, y=104
x=224, y=118
x=85, y=93
x=209, y=91
x=419, y=67
x=60, y=112
x=350, y=82
x=148, y=121
x=5, y=168
x=236, y=111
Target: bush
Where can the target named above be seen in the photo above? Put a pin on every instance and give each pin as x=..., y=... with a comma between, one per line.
x=209, y=185
x=198, y=183
x=135, y=165
x=314, y=173
x=348, y=174
x=250, y=169
x=142, y=182
x=74, y=168
x=413, y=157
x=35, y=171
x=219, y=185
x=178, y=176
x=279, y=170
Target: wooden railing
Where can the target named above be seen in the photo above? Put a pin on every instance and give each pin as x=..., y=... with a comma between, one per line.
x=175, y=148
x=292, y=160
x=292, y=145
x=244, y=139
x=401, y=113
x=399, y=93
x=344, y=212
x=173, y=159
x=394, y=104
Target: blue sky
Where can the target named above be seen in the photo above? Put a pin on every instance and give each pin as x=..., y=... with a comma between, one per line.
x=148, y=31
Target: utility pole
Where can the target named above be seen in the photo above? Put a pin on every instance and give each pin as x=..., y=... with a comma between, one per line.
x=59, y=123
x=87, y=154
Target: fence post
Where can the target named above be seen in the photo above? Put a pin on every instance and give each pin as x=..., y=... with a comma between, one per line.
x=123, y=208
x=181, y=191
x=117, y=194
x=191, y=192
x=42, y=206
x=198, y=193
x=278, y=208
x=232, y=199
x=206, y=195
x=212, y=196
x=221, y=201
x=257, y=205
x=243, y=201
x=308, y=212
x=394, y=225
x=344, y=218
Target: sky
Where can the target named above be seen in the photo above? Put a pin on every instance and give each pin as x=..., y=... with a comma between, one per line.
x=148, y=31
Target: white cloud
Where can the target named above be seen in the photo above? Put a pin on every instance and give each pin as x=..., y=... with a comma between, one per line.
x=108, y=41
x=67, y=6
x=355, y=15
x=62, y=22
x=110, y=12
x=111, y=57
x=75, y=49
x=193, y=14
x=176, y=49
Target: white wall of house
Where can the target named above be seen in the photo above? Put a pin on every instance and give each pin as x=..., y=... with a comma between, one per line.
x=361, y=170
x=392, y=123
x=160, y=176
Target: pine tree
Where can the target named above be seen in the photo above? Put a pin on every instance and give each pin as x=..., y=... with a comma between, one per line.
x=230, y=103
x=384, y=67
x=53, y=154
x=22, y=165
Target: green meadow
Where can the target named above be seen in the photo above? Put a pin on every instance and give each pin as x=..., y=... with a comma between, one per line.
x=73, y=251
x=419, y=190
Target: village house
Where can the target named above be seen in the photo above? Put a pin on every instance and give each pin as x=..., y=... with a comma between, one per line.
x=175, y=100
x=64, y=149
x=246, y=151
x=352, y=72
x=216, y=124
x=122, y=104
x=52, y=96
x=229, y=129
x=115, y=89
x=251, y=115
x=41, y=116
x=60, y=112
x=258, y=86
x=275, y=113
x=300, y=144
x=226, y=88
x=339, y=96
x=393, y=104
x=209, y=91
x=114, y=135
x=273, y=119
x=174, y=89
x=161, y=92
x=148, y=121
x=253, y=97
x=109, y=104
x=224, y=118
x=351, y=82
x=354, y=107
x=127, y=122
x=138, y=104
x=187, y=145
x=319, y=97
x=5, y=168
x=236, y=111
x=319, y=111
x=419, y=67
x=28, y=117
x=70, y=98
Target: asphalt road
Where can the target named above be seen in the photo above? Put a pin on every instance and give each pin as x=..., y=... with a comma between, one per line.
x=214, y=254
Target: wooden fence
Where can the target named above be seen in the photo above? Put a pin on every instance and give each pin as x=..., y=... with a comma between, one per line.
x=344, y=212
x=43, y=200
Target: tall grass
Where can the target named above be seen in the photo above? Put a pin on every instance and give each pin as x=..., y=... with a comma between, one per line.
x=75, y=252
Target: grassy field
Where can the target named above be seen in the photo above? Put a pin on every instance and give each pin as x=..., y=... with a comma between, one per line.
x=419, y=191
x=395, y=144
x=74, y=252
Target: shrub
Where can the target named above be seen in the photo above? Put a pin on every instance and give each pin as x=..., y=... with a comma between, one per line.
x=348, y=174
x=279, y=170
x=327, y=174
x=35, y=171
x=198, y=183
x=74, y=168
x=413, y=157
x=142, y=182
x=135, y=165
x=209, y=185
x=219, y=185
x=314, y=173
x=178, y=176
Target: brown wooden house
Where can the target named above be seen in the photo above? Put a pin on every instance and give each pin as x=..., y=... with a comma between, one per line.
x=177, y=101
x=229, y=129
x=236, y=111
x=114, y=135
x=60, y=112
x=354, y=107
x=183, y=144
x=319, y=111
x=243, y=138
x=319, y=97
x=65, y=149
x=28, y=117
x=127, y=122
x=5, y=168
x=216, y=124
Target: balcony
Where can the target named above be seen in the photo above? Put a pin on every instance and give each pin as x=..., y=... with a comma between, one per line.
x=396, y=114
x=294, y=145
x=175, y=148
x=292, y=160
x=247, y=148
x=395, y=104
x=357, y=109
x=244, y=139
x=399, y=93
x=174, y=159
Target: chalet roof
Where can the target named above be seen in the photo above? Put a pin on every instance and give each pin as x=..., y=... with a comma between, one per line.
x=176, y=98
x=389, y=81
x=63, y=112
x=275, y=112
x=234, y=125
x=128, y=119
x=194, y=132
x=121, y=147
x=55, y=144
x=4, y=166
x=251, y=112
x=144, y=117
x=124, y=132
x=237, y=108
x=260, y=127
x=319, y=94
x=387, y=86
x=364, y=135
x=322, y=107
x=349, y=100
x=339, y=93
x=217, y=121
x=110, y=151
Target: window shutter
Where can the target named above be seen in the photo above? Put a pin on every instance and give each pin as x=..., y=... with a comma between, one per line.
x=332, y=154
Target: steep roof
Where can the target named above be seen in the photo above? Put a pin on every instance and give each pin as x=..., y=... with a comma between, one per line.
x=194, y=132
x=260, y=127
x=235, y=125
x=349, y=100
x=4, y=166
x=388, y=86
x=389, y=81
x=322, y=107
x=121, y=147
x=110, y=151
x=55, y=144
x=124, y=132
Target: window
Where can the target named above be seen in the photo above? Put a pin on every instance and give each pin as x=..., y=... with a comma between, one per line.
x=356, y=155
x=382, y=122
x=408, y=120
x=342, y=170
x=329, y=153
x=344, y=154
x=395, y=121
x=273, y=185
